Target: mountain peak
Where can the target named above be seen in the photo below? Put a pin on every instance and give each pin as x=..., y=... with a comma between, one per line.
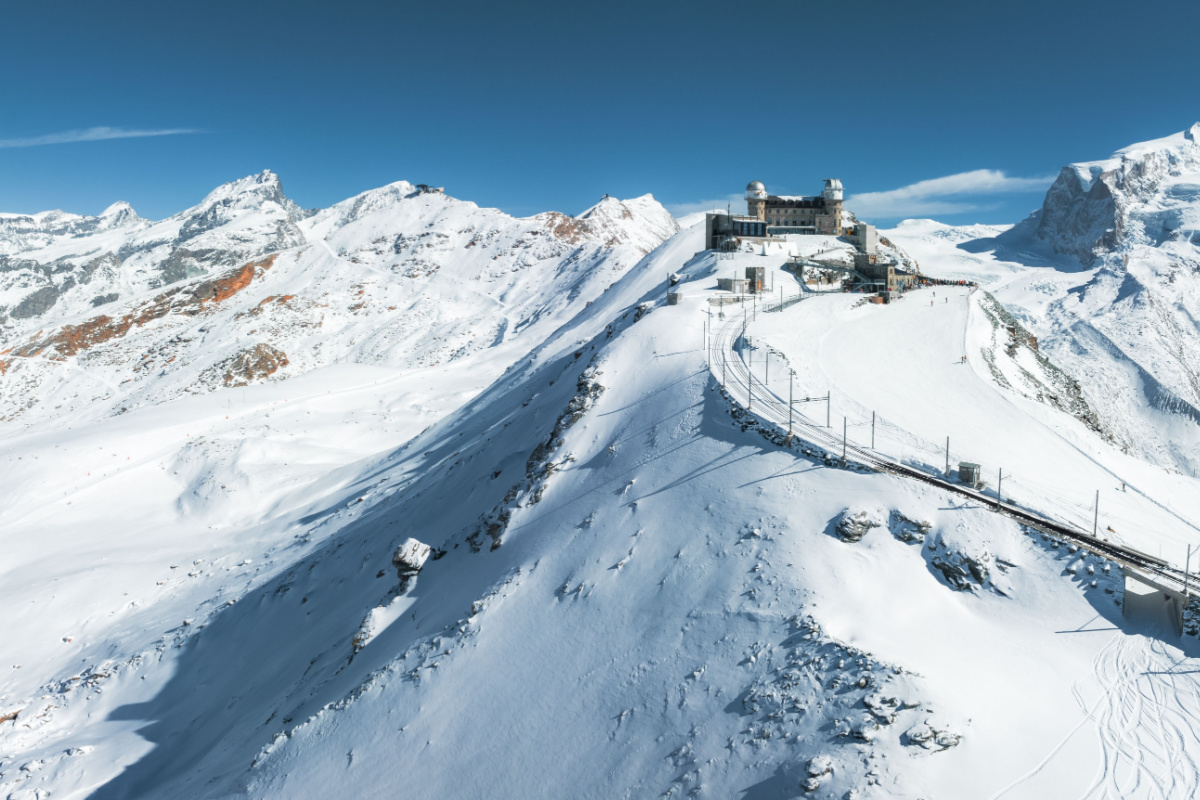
x=261, y=186
x=1143, y=194
x=119, y=210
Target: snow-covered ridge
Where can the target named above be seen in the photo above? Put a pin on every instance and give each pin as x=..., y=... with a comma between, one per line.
x=1146, y=193
x=1126, y=328
x=392, y=276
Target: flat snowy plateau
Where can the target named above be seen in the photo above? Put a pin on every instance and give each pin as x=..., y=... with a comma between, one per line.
x=218, y=429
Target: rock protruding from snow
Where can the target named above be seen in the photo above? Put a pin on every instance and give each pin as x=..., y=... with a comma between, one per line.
x=819, y=769
x=851, y=526
x=932, y=738
x=410, y=557
x=249, y=365
x=908, y=530
x=962, y=570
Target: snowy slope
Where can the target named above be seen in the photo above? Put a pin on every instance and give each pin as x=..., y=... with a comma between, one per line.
x=1116, y=292
x=155, y=437
x=635, y=593
x=634, y=590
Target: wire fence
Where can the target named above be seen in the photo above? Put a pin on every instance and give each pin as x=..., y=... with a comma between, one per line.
x=762, y=376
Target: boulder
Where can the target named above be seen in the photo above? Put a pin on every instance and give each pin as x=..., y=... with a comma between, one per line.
x=853, y=526
x=410, y=557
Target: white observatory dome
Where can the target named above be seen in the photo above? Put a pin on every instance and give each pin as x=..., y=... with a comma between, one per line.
x=833, y=189
x=756, y=190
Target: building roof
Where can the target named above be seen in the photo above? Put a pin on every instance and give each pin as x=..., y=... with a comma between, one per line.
x=795, y=200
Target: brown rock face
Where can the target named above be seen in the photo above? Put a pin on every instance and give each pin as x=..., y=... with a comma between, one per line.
x=249, y=366
x=190, y=300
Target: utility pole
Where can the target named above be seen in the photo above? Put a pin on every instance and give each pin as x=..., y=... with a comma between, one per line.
x=750, y=392
x=872, y=430
x=1000, y=489
x=1096, y=519
x=947, y=456
x=843, y=441
x=827, y=409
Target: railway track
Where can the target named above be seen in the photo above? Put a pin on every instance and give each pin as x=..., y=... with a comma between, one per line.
x=728, y=366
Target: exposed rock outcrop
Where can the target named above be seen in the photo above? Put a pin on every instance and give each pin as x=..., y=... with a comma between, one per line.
x=851, y=526
x=248, y=366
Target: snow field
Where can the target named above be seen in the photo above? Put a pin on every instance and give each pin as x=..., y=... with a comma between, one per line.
x=903, y=361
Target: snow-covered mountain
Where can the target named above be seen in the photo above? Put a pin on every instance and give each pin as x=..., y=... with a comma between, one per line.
x=1146, y=194
x=634, y=586
x=245, y=286
x=1131, y=331
x=1107, y=275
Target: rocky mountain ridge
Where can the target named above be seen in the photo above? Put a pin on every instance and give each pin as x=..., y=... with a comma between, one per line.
x=392, y=276
x=1144, y=195
x=1130, y=330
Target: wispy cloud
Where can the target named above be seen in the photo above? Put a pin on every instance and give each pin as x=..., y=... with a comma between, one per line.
x=938, y=196
x=680, y=210
x=91, y=135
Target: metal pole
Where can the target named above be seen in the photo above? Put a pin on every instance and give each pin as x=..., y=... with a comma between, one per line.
x=947, y=456
x=768, y=373
x=791, y=383
x=843, y=441
x=827, y=409
x=1000, y=489
x=1186, y=566
x=750, y=392
x=872, y=430
x=1096, y=519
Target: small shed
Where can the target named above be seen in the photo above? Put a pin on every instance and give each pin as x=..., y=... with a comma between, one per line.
x=969, y=474
x=756, y=277
x=736, y=285
x=673, y=298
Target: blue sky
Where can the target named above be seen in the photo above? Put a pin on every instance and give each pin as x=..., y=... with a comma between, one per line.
x=960, y=111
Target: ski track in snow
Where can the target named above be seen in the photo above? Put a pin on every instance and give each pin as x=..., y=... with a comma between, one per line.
x=1147, y=722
